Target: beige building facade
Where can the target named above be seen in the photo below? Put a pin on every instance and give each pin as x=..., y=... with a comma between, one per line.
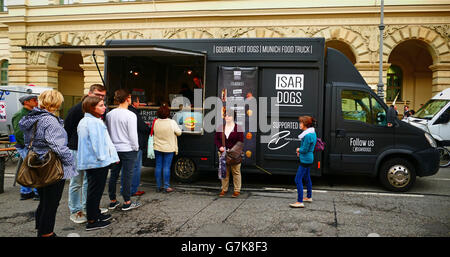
x=416, y=49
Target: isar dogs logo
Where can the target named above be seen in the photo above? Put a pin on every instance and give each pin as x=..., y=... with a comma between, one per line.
x=289, y=87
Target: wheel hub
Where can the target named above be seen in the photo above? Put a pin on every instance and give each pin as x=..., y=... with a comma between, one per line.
x=399, y=176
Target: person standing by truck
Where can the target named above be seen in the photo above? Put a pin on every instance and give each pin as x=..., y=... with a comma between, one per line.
x=143, y=133
x=232, y=134
x=49, y=135
x=95, y=154
x=28, y=102
x=78, y=184
x=165, y=143
x=306, y=155
x=122, y=127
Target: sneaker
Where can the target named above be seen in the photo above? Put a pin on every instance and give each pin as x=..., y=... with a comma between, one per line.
x=97, y=225
x=235, y=194
x=130, y=206
x=26, y=196
x=309, y=200
x=103, y=210
x=168, y=190
x=297, y=205
x=222, y=193
x=105, y=217
x=78, y=217
x=138, y=193
x=113, y=205
x=36, y=197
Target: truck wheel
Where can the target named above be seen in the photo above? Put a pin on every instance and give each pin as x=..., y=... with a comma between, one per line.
x=397, y=175
x=185, y=170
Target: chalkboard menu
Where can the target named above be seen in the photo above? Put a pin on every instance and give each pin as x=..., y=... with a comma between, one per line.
x=148, y=115
x=235, y=86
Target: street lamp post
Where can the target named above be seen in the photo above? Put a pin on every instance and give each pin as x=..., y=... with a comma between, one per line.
x=380, y=86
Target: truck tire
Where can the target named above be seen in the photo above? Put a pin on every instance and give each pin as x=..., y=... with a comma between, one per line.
x=397, y=175
x=184, y=170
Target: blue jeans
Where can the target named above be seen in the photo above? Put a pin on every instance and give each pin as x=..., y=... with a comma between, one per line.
x=136, y=173
x=163, y=163
x=77, y=189
x=127, y=161
x=303, y=173
x=25, y=190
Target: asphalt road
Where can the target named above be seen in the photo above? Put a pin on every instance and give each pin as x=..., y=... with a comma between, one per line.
x=342, y=207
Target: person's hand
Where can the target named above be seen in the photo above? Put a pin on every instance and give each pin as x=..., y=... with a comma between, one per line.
x=221, y=149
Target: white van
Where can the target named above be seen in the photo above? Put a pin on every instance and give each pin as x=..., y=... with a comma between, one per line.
x=434, y=117
x=9, y=103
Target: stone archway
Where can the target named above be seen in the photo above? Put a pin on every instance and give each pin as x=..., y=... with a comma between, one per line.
x=343, y=48
x=413, y=59
x=435, y=39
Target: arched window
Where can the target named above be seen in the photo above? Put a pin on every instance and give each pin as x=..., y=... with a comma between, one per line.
x=4, y=72
x=394, y=83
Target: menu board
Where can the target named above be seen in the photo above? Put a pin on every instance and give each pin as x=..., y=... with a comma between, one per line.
x=235, y=86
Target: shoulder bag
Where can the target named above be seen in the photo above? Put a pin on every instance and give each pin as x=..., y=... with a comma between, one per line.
x=35, y=172
x=150, y=149
x=235, y=154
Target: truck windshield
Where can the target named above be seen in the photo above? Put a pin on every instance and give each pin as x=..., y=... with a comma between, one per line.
x=430, y=109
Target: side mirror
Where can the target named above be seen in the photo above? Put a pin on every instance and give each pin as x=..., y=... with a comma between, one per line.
x=381, y=117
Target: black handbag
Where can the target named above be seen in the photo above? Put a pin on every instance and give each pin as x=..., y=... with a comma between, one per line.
x=38, y=172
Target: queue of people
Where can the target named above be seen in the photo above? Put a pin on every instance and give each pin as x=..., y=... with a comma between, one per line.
x=89, y=143
x=92, y=141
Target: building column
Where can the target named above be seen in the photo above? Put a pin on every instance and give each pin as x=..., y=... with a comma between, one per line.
x=17, y=70
x=441, y=77
x=370, y=73
x=91, y=75
x=43, y=75
x=90, y=72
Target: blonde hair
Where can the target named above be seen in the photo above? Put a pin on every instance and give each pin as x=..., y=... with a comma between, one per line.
x=50, y=100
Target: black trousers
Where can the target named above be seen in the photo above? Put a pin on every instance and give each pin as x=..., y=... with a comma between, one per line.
x=96, y=185
x=45, y=215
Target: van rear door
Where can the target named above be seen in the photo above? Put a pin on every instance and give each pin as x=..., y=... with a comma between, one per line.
x=360, y=132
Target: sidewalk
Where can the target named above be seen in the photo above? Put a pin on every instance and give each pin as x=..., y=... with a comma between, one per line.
x=195, y=210
x=189, y=211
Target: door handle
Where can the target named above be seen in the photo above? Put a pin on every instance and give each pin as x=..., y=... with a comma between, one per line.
x=340, y=133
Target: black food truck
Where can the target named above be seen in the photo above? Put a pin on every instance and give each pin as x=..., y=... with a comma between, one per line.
x=286, y=78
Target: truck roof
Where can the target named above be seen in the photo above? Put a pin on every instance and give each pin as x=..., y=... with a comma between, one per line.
x=443, y=95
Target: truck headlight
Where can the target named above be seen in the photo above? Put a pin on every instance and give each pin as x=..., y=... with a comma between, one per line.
x=430, y=140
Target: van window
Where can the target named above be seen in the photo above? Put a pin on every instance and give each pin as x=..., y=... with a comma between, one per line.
x=378, y=113
x=356, y=106
x=430, y=109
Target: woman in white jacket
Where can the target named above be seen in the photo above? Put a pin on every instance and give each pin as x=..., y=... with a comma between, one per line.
x=96, y=153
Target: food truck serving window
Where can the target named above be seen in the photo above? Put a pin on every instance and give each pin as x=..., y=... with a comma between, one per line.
x=156, y=75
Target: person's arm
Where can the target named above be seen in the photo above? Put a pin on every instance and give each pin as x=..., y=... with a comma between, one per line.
x=17, y=132
x=97, y=136
x=218, y=139
x=132, y=132
x=56, y=139
x=305, y=144
x=176, y=129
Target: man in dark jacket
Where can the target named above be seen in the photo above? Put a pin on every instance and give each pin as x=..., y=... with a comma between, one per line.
x=78, y=184
x=28, y=102
x=143, y=133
